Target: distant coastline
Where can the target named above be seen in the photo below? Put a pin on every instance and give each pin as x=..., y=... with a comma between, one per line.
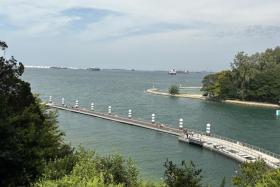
x=156, y=91
x=110, y=69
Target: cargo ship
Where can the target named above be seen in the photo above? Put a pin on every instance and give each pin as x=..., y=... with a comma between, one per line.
x=94, y=69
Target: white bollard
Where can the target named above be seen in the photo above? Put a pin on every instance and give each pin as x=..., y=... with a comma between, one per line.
x=62, y=101
x=208, y=126
x=181, y=123
x=92, y=106
x=153, y=118
x=76, y=104
x=129, y=114
x=109, y=109
x=50, y=99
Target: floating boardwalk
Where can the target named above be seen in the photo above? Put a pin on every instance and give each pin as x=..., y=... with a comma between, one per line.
x=233, y=149
x=129, y=121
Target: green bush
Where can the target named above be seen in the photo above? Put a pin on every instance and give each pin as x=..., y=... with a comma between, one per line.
x=250, y=173
x=271, y=179
x=85, y=168
x=181, y=176
x=173, y=90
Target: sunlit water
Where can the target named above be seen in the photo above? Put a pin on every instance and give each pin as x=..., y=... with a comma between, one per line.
x=124, y=90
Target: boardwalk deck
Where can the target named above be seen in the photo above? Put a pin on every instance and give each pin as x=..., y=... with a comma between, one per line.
x=236, y=150
x=112, y=117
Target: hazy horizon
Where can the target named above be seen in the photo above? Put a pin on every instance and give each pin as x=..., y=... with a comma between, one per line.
x=201, y=35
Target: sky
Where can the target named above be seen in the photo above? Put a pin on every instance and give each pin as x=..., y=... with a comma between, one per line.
x=196, y=35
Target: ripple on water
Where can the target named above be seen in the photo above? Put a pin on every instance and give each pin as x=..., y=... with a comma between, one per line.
x=124, y=90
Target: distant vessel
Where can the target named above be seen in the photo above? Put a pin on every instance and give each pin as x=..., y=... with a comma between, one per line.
x=183, y=71
x=172, y=72
x=58, y=67
x=93, y=69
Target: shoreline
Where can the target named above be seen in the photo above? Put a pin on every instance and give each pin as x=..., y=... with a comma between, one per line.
x=155, y=91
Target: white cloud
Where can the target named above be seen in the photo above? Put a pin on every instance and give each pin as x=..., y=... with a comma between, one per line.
x=193, y=25
x=29, y=14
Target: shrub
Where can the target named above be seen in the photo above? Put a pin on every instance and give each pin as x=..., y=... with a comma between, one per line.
x=85, y=168
x=181, y=176
x=174, y=89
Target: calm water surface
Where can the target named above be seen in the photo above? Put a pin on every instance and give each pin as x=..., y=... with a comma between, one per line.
x=124, y=90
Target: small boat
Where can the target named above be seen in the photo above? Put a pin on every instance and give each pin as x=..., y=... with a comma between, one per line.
x=172, y=72
x=93, y=69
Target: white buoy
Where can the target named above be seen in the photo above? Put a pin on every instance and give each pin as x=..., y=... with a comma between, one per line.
x=50, y=99
x=181, y=123
x=153, y=118
x=92, y=106
x=208, y=126
x=277, y=112
x=62, y=101
x=76, y=104
x=109, y=109
x=129, y=113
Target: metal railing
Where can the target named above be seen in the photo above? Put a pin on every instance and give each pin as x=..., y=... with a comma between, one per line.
x=140, y=121
x=256, y=148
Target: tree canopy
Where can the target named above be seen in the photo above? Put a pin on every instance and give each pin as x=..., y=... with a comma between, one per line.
x=256, y=174
x=182, y=176
x=29, y=133
x=253, y=77
x=173, y=90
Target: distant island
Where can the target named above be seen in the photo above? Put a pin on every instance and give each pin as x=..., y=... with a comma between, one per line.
x=58, y=67
x=253, y=77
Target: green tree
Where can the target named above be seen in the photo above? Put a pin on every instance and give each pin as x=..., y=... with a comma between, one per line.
x=116, y=170
x=265, y=87
x=243, y=71
x=253, y=78
x=184, y=176
x=219, y=85
x=250, y=173
x=3, y=46
x=271, y=179
x=89, y=169
x=29, y=132
x=227, y=85
x=173, y=90
x=209, y=85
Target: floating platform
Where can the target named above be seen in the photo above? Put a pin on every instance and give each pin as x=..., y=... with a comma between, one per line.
x=233, y=149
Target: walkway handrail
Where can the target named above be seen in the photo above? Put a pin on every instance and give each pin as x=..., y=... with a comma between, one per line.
x=178, y=131
x=256, y=148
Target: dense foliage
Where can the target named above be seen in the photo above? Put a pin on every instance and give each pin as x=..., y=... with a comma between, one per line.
x=88, y=169
x=253, y=78
x=250, y=173
x=270, y=179
x=256, y=174
x=186, y=175
x=29, y=135
x=173, y=90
